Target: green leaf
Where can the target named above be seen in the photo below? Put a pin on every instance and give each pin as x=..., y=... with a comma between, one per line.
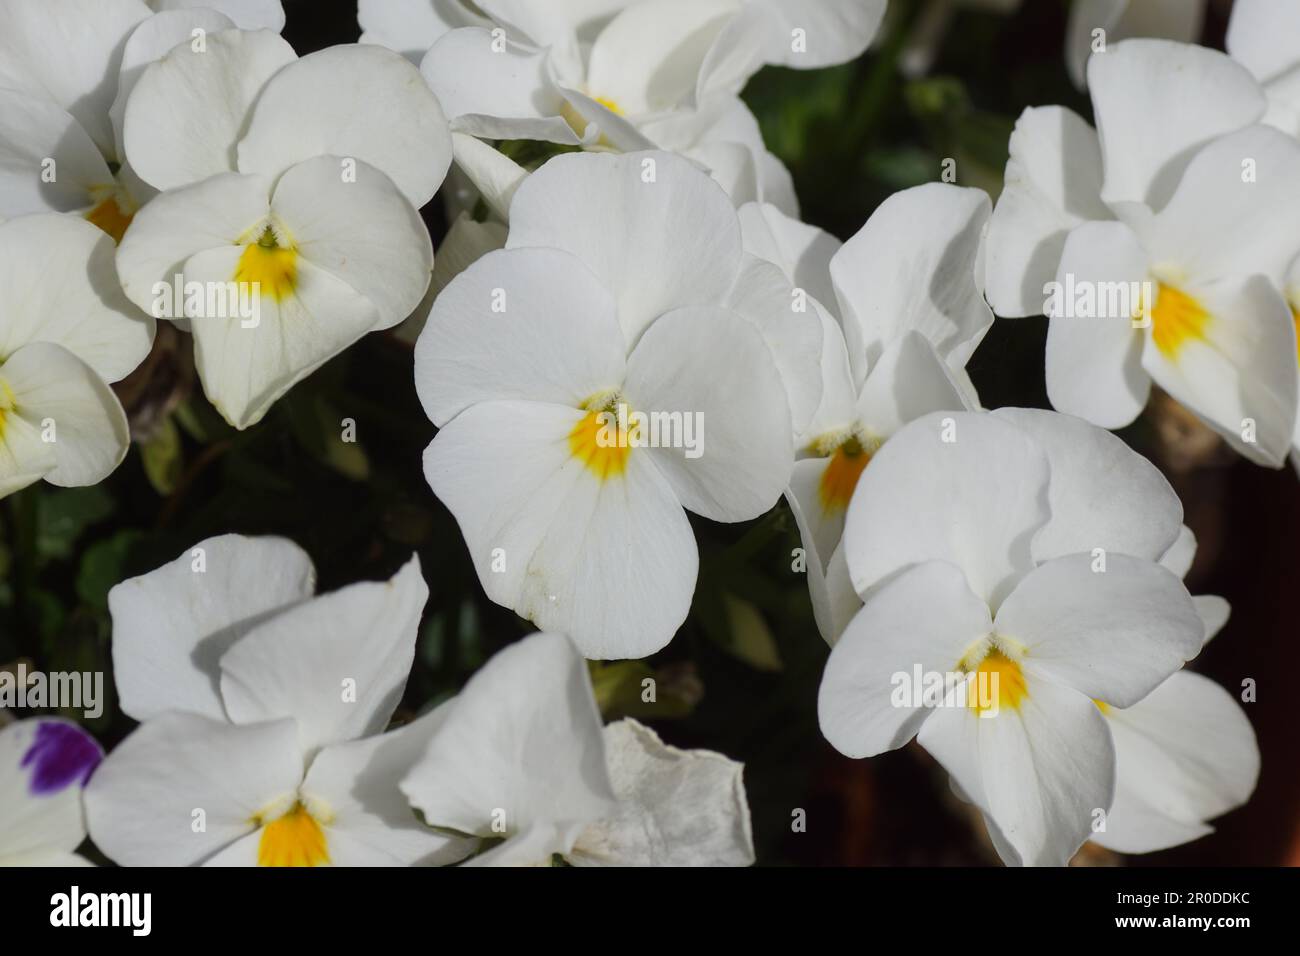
x=163, y=458
x=64, y=514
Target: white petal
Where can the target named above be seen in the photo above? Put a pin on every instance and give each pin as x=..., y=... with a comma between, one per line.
x=1185, y=753
x=362, y=102
x=1240, y=369
x=189, y=109
x=908, y=381
x=371, y=821
x=247, y=364
x=142, y=802
x=1113, y=634
x=1102, y=494
x=833, y=31
x=495, y=175
x=1213, y=611
x=61, y=286
x=1262, y=35
x=1220, y=223
x=504, y=93
x=675, y=807
x=960, y=487
x=611, y=562
x=212, y=214
x=1053, y=183
x=717, y=371
x=412, y=26
x=151, y=40
x=308, y=662
x=656, y=245
x=171, y=626
x=68, y=51
x=802, y=251
x=246, y=14
x=360, y=230
x=522, y=743
x=920, y=622
x=33, y=132
x=913, y=266
x=792, y=329
x=531, y=324
x=44, y=762
x=78, y=418
x=1044, y=770
x=1157, y=101
x=1094, y=366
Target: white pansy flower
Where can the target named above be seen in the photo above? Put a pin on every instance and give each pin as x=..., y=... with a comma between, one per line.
x=1117, y=20
x=1019, y=546
x=66, y=70
x=66, y=331
x=908, y=289
x=262, y=712
x=623, y=287
x=44, y=763
x=521, y=758
x=640, y=75
x=291, y=186
x=1143, y=243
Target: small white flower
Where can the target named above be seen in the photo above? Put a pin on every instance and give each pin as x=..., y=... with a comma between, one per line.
x=1264, y=37
x=907, y=289
x=44, y=763
x=613, y=290
x=1169, y=203
x=1019, y=544
x=521, y=758
x=262, y=712
x=65, y=333
x=318, y=226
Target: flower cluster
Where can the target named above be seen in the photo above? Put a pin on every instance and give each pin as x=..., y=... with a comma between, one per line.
x=629, y=325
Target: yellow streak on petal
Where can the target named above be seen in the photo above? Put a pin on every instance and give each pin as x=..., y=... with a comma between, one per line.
x=1102, y=705
x=269, y=267
x=607, y=460
x=110, y=217
x=6, y=404
x=1295, y=320
x=1176, y=319
x=294, y=839
x=1011, y=686
x=841, y=475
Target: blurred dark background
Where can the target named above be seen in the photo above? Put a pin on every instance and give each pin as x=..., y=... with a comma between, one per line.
x=742, y=675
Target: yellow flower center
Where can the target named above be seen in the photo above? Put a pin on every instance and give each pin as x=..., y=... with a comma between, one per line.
x=1176, y=319
x=6, y=403
x=996, y=673
x=840, y=478
x=269, y=268
x=109, y=216
x=293, y=839
x=600, y=441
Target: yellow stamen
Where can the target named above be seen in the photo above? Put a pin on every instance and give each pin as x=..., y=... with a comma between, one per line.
x=294, y=839
x=268, y=266
x=1295, y=320
x=1000, y=672
x=1102, y=705
x=578, y=123
x=1176, y=319
x=109, y=216
x=599, y=442
x=841, y=475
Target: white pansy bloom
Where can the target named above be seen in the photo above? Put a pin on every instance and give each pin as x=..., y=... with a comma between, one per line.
x=907, y=289
x=640, y=75
x=1142, y=242
x=1019, y=549
x=1264, y=36
x=1117, y=20
x=521, y=758
x=44, y=763
x=291, y=187
x=66, y=331
x=66, y=70
x=262, y=712
x=623, y=287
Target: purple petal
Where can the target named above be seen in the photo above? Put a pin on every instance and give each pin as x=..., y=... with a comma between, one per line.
x=62, y=754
